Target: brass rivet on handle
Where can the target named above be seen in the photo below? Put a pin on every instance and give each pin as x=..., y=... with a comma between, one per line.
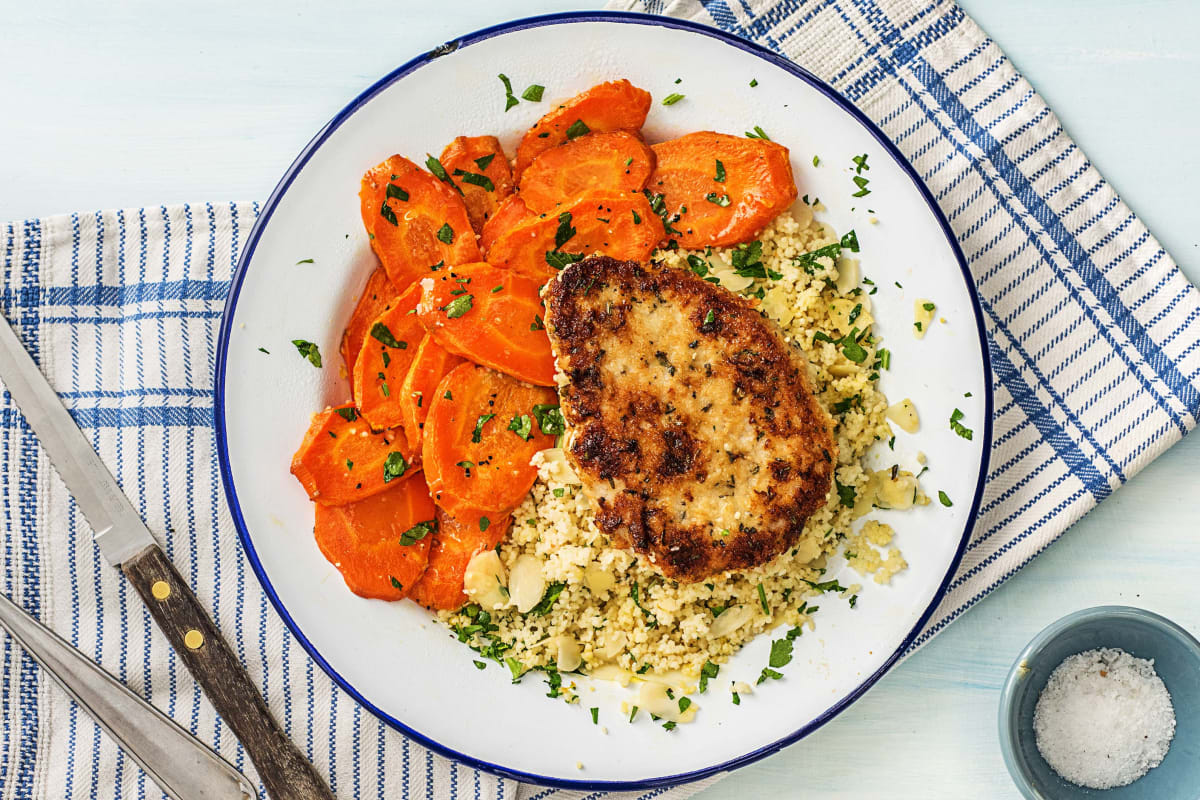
x=161, y=590
x=194, y=639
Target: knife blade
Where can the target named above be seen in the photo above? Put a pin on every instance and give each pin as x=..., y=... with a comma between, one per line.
x=126, y=542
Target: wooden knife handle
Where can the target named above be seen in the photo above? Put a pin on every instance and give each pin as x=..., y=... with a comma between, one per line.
x=284, y=771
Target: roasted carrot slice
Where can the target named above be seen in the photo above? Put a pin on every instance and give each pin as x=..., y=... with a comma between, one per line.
x=616, y=161
x=511, y=212
x=619, y=225
x=341, y=460
x=455, y=543
x=375, y=298
x=730, y=186
x=414, y=220
x=612, y=106
x=482, y=429
x=492, y=317
x=478, y=166
x=383, y=361
x=380, y=544
x=430, y=364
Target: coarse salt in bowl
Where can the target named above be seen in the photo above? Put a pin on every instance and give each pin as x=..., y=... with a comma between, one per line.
x=1176, y=657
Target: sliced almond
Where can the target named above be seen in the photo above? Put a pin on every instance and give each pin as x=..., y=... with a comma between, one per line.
x=485, y=581
x=525, y=583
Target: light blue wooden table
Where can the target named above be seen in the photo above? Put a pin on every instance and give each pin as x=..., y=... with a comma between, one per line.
x=150, y=102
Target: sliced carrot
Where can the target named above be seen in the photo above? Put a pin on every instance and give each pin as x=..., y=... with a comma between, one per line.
x=383, y=361
x=380, y=544
x=376, y=296
x=621, y=225
x=612, y=106
x=430, y=364
x=480, y=434
x=341, y=460
x=511, y=213
x=730, y=186
x=478, y=166
x=492, y=317
x=617, y=161
x=455, y=543
x=414, y=221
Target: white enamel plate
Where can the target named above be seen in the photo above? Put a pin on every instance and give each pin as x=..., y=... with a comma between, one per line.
x=430, y=689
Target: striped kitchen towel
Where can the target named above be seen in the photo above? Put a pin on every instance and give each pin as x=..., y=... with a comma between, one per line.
x=1093, y=332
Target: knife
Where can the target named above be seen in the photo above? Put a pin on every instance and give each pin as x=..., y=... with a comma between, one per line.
x=126, y=542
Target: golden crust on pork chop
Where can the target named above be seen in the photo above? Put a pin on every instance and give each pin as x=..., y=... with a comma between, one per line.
x=691, y=422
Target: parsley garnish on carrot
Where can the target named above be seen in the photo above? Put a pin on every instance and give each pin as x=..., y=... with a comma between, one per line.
x=394, y=467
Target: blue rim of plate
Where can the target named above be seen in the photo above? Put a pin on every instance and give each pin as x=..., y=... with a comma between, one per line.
x=264, y=218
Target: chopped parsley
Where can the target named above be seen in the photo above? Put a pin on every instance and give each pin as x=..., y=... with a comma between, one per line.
x=565, y=230
x=672, y=99
x=484, y=523
x=768, y=673
x=762, y=598
x=578, y=128
x=306, y=260
x=885, y=358
x=394, y=192
x=383, y=334
x=709, y=318
x=510, y=99
x=522, y=426
x=747, y=262
x=533, y=93
x=709, y=670
x=466, y=466
x=308, y=350
x=418, y=532
x=439, y=172
x=808, y=261
x=459, y=306
x=698, y=265
x=635, y=593
x=595, y=715
x=716, y=199
x=758, y=133
x=816, y=160
x=958, y=427
x=637, y=219
x=394, y=467
x=850, y=242
x=397, y=585
x=781, y=652
x=737, y=699
x=549, y=419
x=483, y=162
x=445, y=234
x=753, y=82
x=720, y=176
x=851, y=349
x=350, y=413
x=846, y=494
x=684, y=704
x=927, y=306
x=264, y=350
x=944, y=499
x=386, y=212
x=477, y=434
x=562, y=260
x=547, y=601
x=475, y=179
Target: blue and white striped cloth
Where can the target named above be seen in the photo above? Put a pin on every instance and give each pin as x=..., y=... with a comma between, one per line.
x=1095, y=339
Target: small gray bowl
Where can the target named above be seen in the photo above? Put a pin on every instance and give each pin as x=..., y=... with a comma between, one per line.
x=1176, y=656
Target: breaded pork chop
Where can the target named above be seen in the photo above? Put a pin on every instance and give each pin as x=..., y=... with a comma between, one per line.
x=691, y=422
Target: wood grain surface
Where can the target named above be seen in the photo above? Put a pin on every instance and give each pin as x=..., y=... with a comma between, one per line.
x=284, y=772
